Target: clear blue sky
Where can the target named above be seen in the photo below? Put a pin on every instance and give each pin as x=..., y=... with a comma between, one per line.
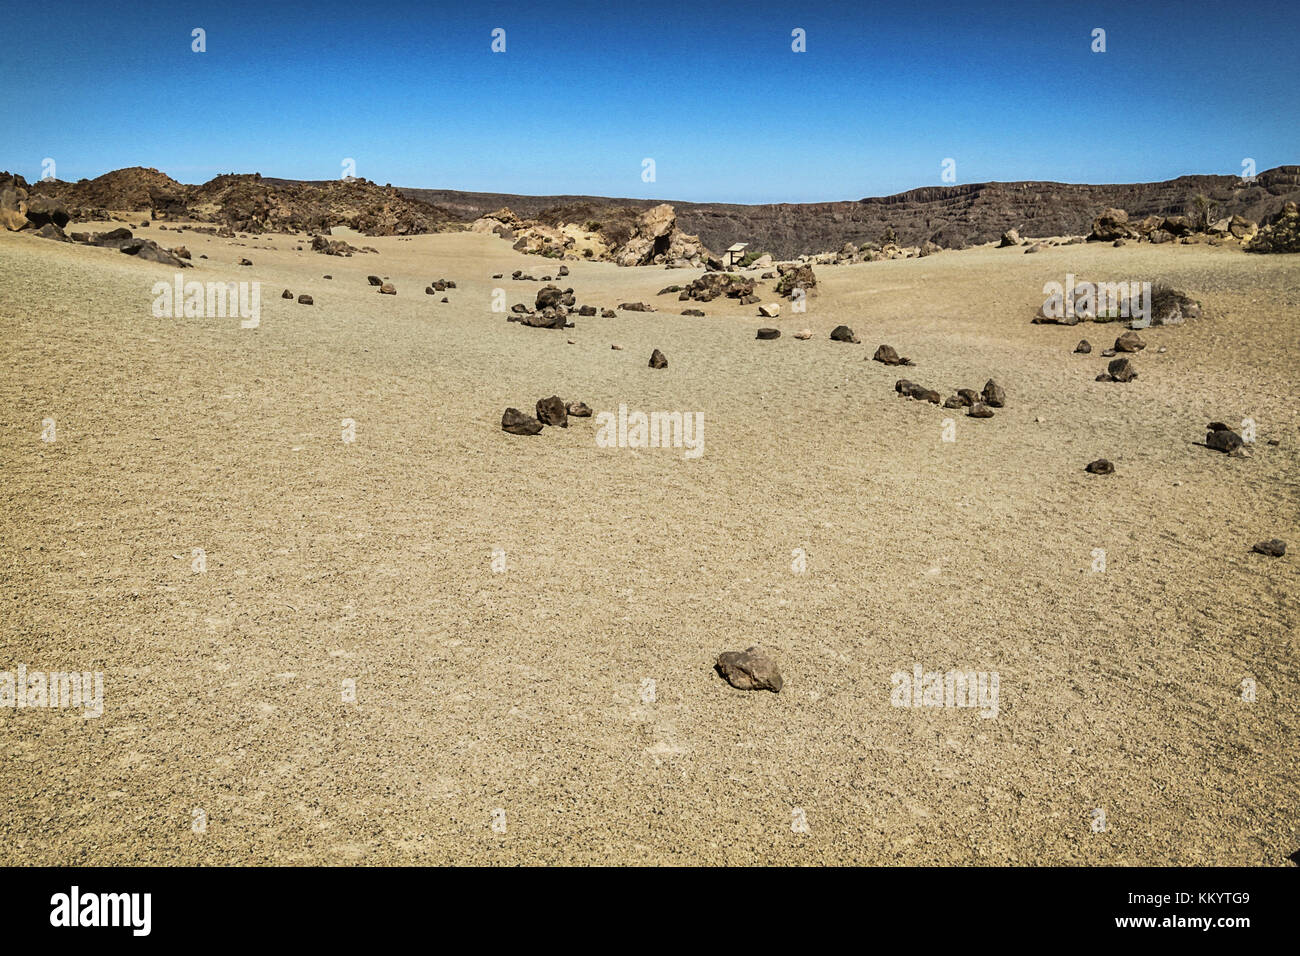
x=710, y=90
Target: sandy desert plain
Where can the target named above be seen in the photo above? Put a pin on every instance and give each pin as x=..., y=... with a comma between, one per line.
x=519, y=697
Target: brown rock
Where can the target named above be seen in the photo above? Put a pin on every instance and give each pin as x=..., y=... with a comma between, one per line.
x=657, y=359
x=1129, y=342
x=304, y=299
x=751, y=669
x=517, y=423
x=1274, y=547
x=552, y=411
x=1100, y=467
x=842, y=333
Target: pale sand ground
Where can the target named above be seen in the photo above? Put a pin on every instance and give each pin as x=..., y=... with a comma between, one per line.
x=371, y=561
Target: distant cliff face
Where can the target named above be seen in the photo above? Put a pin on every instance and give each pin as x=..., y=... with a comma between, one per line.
x=952, y=216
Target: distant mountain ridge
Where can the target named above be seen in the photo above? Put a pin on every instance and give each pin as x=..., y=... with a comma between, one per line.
x=951, y=216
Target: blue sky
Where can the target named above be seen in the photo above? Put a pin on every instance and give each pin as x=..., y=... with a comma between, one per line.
x=711, y=91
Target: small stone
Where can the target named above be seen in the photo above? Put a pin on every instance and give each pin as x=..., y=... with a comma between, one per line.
x=1083, y=348
x=657, y=359
x=980, y=410
x=1100, y=467
x=995, y=395
x=1121, y=370
x=578, y=409
x=768, y=334
x=1274, y=547
x=387, y=289
x=286, y=294
x=305, y=299
x=842, y=333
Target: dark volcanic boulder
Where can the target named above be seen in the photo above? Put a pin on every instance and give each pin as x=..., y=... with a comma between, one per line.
x=150, y=251
x=979, y=410
x=1083, y=348
x=548, y=297
x=768, y=334
x=42, y=210
x=305, y=299
x=552, y=411
x=1224, y=440
x=51, y=231
x=842, y=333
x=1121, y=370
x=286, y=294
x=995, y=395
x=657, y=359
x=1100, y=467
x=1129, y=342
x=887, y=355
x=969, y=396
x=517, y=423
x=375, y=280
x=751, y=669
x=1273, y=547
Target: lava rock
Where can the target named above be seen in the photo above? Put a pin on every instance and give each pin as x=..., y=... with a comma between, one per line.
x=842, y=333
x=552, y=411
x=658, y=360
x=1100, y=467
x=1274, y=547
x=750, y=669
x=517, y=423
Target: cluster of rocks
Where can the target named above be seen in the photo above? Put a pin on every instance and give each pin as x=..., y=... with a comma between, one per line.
x=551, y=309
x=623, y=235
x=1093, y=302
x=125, y=242
x=713, y=285
x=1280, y=234
x=978, y=404
x=1114, y=226
x=303, y=299
x=439, y=285
x=333, y=247
x=553, y=411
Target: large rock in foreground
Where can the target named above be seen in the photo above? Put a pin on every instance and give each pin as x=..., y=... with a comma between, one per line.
x=751, y=669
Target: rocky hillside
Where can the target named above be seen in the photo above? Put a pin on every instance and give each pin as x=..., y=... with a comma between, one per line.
x=250, y=203
x=949, y=216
